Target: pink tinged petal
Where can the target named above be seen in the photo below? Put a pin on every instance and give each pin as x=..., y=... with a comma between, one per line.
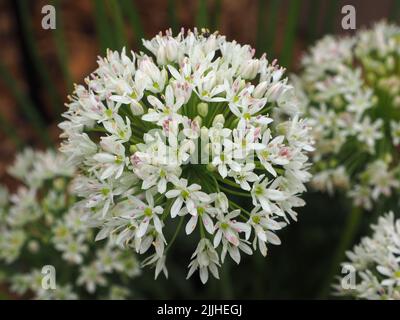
x=208, y=223
x=232, y=237
x=217, y=238
x=176, y=207
x=191, y=225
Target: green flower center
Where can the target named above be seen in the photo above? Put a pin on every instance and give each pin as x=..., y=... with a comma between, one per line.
x=105, y=191
x=185, y=194
x=148, y=212
x=256, y=219
x=259, y=190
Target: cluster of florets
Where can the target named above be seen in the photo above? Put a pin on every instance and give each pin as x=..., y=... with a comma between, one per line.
x=352, y=85
x=195, y=129
x=373, y=269
x=42, y=218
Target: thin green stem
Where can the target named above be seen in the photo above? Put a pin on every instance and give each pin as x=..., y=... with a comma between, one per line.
x=175, y=234
x=236, y=193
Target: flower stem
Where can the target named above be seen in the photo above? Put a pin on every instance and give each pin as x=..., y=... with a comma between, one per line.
x=175, y=234
x=349, y=232
x=236, y=193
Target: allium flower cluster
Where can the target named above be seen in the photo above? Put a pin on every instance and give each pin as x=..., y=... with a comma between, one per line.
x=375, y=262
x=353, y=89
x=193, y=130
x=43, y=217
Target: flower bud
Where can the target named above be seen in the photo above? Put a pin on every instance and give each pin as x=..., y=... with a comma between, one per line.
x=202, y=109
x=199, y=120
x=171, y=50
x=260, y=90
x=250, y=69
x=219, y=119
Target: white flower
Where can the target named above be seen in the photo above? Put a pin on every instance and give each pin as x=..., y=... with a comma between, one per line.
x=113, y=160
x=229, y=229
x=185, y=194
x=369, y=132
x=352, y=87
x=203, y=122
x=395, y=126
x=376, y=262
x=264, y=228
x=264, y=196
x=44, y=216
x=206, y=259
x=204, y=211
x=147, y=212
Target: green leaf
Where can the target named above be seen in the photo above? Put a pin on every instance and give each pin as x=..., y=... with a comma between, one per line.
x=130, y=10
x=118, y=20
x=202, y=14
x=61, y=48
x=290, y=33
x=270, y=34
x=25, y=104
x=39, y=65
x=102, y=25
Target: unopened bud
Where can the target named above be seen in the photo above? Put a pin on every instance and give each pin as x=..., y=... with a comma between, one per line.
x=218, y=120
x=202, y=109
